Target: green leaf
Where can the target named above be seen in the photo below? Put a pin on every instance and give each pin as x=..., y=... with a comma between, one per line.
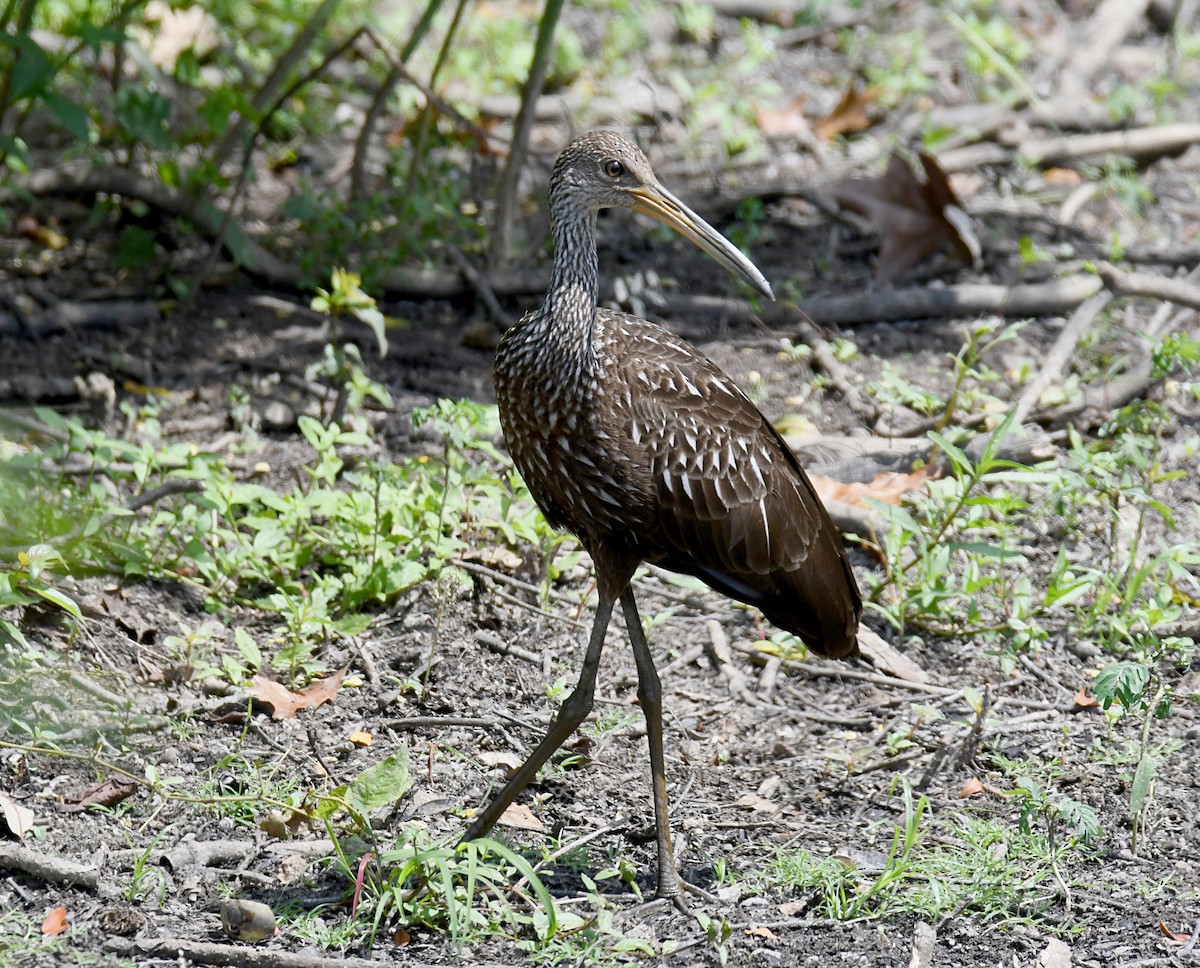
x=55, y=597
x=72, y=116
x=1124, y=681
x=381, y=784
x=32, y=69
x=1147, y=770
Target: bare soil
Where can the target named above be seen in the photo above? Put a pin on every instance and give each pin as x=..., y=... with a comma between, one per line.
x=744, y=779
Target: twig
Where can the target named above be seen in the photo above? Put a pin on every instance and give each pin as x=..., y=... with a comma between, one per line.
x=174, y=485
x=379, y=102
x=532, y=89
x=497, y=644
x=1060, y=353
x=575, y=845
x=437, y=722
x=827, y=360
x=97, y=691
x=722, y=658
x=1123, y=283
x=179, y=950
x=266, y=91
x=1137, y=143
x=477, y=281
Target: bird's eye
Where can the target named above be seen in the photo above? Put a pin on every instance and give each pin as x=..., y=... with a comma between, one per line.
x=614, y=169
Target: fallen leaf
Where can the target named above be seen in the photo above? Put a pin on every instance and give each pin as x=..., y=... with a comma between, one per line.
x=914, y=219
x=752, y=801
x=510, y=761
x=360, y=737
x=788, y=120
x=1056, y=954
x=1066, y=177
x=520, y=817
x=401, y=938
x=889, y=487
x=850, y=115
x=792, y=908
x=35, y=231
x=761, y=932
x=107, y=794
x=284, y=704
x=971, y=787
x=17, y=818
x=1085, y=700
x=1173, y=935
x=55, y=922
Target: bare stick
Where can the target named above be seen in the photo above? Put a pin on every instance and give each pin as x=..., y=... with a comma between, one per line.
x=1079, y=323
x=52, y=870
x=1154, y=286
x=506, y=199
x=266, y=92
x=178, y=950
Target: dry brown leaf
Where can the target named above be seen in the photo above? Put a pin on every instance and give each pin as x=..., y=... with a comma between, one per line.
x=1085, y=700
x=761, y=932
x=792, y=908
x=971, y=787
x=55, y=922
x=752, y=801
x=850, y=115
x=520, y=817
x=107, y=794
x=889, y=487
x=1065, y=177
x=284, y=704
x=788, y=120
x=17, y=819
x=35, y=231
x=914, y=219
x=401, y=938
x=1173, y=935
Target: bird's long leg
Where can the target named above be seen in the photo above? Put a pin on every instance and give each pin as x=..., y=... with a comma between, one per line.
x=650, y=696
x=573, y=712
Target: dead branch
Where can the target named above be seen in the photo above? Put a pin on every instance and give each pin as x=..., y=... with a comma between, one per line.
x=1148, y=284
x=1140, y=144
x=52, y=870
x=230, y=955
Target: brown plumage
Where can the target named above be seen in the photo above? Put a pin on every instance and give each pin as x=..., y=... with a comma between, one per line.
x=644, y=449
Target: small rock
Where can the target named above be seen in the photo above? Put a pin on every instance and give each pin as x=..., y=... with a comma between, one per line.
x=277, y=415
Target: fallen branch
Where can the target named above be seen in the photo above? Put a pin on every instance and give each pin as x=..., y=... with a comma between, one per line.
x=1138, y=143
x=230, y=955
x=52, y=870
x=1148, y=284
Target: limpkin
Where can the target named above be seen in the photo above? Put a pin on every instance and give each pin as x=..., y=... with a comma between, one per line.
x=647, y=452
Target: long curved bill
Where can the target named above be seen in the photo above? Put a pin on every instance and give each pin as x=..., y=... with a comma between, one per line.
x=659, y=203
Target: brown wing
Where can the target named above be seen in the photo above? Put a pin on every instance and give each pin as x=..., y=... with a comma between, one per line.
x=735, y=507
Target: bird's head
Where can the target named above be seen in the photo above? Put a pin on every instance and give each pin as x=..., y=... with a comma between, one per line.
x=602, y=169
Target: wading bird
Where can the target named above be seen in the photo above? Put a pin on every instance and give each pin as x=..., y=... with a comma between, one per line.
x=647, y=452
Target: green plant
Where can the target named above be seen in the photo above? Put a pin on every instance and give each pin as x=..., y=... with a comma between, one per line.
x=950, y=564
x=26, y=586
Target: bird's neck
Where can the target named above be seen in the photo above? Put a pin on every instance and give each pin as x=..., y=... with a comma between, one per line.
x=570, y=309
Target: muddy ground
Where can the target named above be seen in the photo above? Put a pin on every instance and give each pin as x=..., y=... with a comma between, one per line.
x=810, y=762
